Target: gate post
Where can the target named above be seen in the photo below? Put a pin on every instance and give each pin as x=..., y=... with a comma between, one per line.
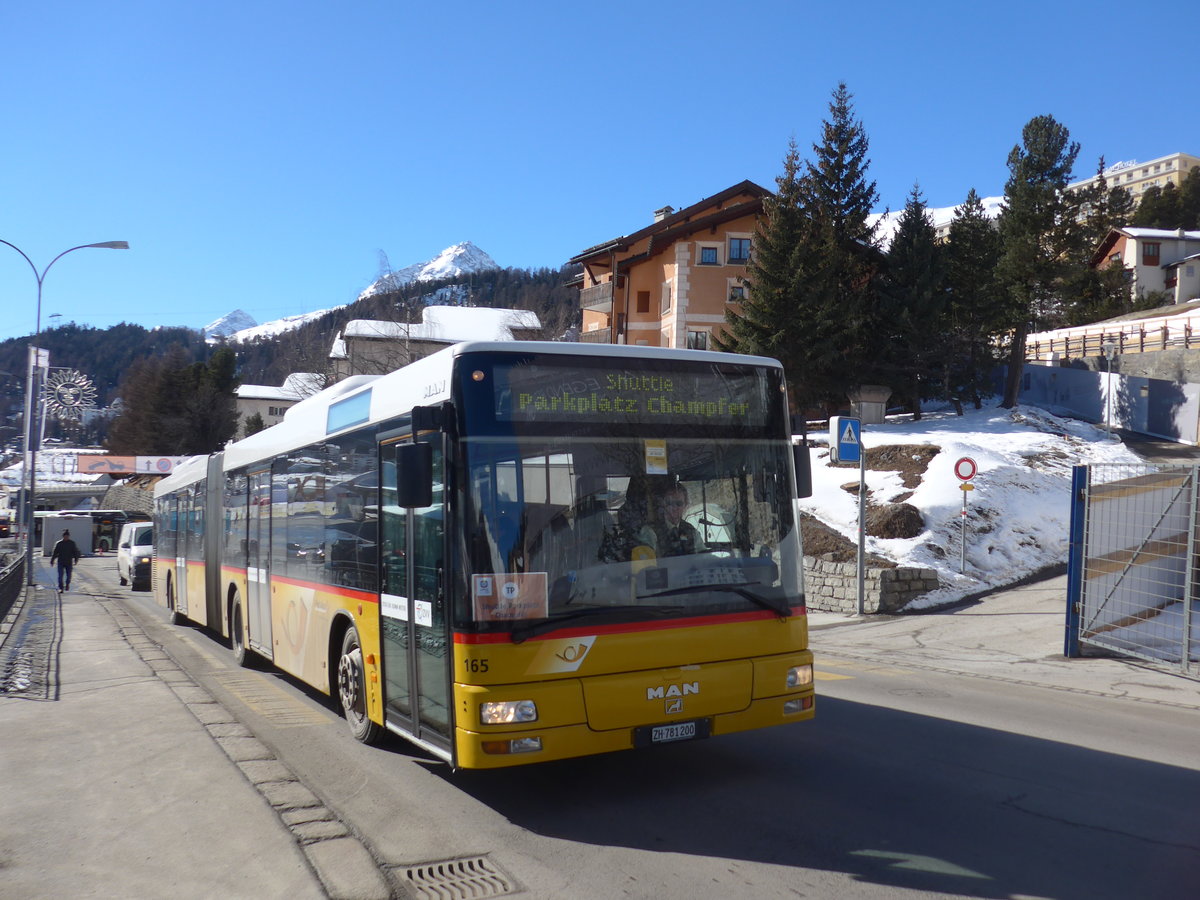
x=1075, y=559
x=1189, y=577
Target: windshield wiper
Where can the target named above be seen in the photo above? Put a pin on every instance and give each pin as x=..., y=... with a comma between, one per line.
x=781, y=608
x=541, y=626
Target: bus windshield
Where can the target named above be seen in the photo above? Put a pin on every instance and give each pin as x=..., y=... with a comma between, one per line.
x=622, y=529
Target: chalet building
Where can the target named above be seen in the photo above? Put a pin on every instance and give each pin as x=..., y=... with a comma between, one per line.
x=373, y=347
x=669, y=284
x=1156, y=259
x=272, y=402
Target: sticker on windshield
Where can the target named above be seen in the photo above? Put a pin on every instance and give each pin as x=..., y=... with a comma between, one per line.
x=510, y=597
x=656, y=456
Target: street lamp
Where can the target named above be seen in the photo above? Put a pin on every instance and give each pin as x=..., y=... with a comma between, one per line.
x=1110, y=350
x=31, y=384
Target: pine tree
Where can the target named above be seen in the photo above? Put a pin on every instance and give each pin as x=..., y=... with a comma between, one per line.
x=1159, y=208
x=210, y=402
x=811, y=282
x=173, y=407
x=767, y=321
x=1104, y=208
x=254, y=424
x=1189, y=201
x=838, y=265
x=1040, y=235
x=972, y=252
x=909, y=322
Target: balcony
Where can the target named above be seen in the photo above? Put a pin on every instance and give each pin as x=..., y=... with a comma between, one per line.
x=597, y=298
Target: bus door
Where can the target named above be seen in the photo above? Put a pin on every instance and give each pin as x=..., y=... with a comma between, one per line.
x=183, y=529
x=258, y=563
x=178, y=511
x=412, y=604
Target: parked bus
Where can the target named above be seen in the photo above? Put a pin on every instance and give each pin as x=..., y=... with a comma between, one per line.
x=109, y=523
x=102, y=533
x=483, y=551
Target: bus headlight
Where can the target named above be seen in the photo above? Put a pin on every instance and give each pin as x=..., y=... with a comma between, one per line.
x=504, y=712
x=799, y=676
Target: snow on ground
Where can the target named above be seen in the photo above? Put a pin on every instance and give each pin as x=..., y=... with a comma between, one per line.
x=1018, y=516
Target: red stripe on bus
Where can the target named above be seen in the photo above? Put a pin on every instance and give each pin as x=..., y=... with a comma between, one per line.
x=504, y=637
x=335, y=589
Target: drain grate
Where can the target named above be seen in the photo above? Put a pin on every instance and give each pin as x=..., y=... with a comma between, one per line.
x=457, y=879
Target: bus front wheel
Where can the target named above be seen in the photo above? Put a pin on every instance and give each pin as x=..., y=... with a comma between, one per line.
x=352, y=689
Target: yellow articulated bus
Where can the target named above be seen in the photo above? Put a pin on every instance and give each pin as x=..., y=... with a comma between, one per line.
x=513, y=552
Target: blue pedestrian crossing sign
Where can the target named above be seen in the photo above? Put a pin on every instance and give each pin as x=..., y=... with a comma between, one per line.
x=845, y=442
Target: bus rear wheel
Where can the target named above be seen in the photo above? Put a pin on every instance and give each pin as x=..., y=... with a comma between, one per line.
x=352, y=689
x=242, y=655
x=177, y=617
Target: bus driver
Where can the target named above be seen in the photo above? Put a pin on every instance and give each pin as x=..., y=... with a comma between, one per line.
x=676, y=536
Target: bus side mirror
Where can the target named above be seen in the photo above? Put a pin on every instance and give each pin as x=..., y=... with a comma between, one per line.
x=414, y=475
x=803, y=470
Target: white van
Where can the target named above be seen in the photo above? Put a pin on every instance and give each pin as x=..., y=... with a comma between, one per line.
x=135, y=550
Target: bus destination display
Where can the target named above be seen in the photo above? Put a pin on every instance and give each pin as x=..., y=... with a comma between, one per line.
x=534, y=393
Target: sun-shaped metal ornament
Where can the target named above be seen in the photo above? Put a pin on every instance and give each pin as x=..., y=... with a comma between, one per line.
x=69, y=393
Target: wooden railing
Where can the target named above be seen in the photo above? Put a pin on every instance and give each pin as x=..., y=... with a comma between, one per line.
x=1177, y=332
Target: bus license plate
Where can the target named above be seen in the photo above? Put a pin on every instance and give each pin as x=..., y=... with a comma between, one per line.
x=679, y=731
x=692, y=729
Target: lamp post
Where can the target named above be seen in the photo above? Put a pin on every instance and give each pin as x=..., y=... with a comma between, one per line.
x=31, y=409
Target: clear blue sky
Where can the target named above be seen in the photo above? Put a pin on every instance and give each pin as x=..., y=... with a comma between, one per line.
x=260, y=154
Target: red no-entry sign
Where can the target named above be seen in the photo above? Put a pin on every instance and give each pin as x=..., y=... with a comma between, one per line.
x=965, y=469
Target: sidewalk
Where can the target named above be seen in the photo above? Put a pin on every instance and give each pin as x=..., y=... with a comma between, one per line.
x=1014, y=634
x=110, y=786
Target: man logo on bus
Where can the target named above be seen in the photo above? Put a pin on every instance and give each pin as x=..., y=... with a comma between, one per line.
x=673, y=690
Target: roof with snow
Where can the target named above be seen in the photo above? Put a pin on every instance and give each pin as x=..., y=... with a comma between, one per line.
x=296, y=386
x=447, y=324
x=1139, y=234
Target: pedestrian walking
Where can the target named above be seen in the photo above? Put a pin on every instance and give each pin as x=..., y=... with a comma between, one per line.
x=66, y=552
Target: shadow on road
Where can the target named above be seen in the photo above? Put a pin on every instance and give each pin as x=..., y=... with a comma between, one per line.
x=923, y=804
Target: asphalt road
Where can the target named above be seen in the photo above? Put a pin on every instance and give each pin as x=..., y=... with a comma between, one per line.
x=954, y=755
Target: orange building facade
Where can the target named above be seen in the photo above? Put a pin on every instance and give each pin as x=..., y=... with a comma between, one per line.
x=669, y=284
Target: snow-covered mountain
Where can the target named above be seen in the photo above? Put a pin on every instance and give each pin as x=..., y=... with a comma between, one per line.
x=229, y=324
x=278, y=326
x=461, y=259
x=453, y=262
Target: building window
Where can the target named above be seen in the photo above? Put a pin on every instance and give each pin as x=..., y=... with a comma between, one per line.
x=1150, y=251
x=275, y=410
x=737, y=293
x=666, y=298
x=643, y=301
x=708, y=256
x=697, y=340
x=1115, y=258
x=739, y=249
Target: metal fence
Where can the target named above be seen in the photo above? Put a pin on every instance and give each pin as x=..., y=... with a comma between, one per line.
x=12, y=577
x=1133, y=579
